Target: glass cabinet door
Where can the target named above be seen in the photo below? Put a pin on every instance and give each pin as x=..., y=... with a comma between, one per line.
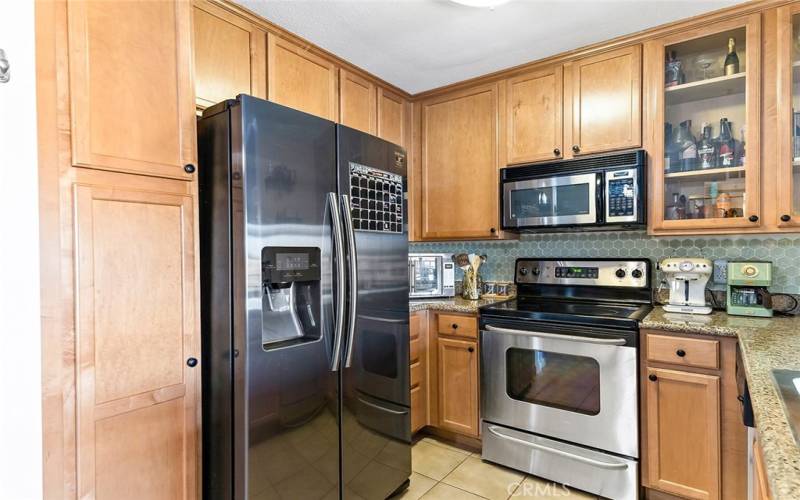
x=788, y=105
x=706, y=157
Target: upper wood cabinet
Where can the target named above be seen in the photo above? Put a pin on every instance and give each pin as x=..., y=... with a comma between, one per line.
x=607, y=101
x=788, y=106
x=230, y=55
x=458, y=386
x=357, y=102
x=392, y=118
x=460, y=164
x=704, y=128
x=300, y=79
x=137, y=408
x=534, y=109
x=131, y=88
x=683, y=433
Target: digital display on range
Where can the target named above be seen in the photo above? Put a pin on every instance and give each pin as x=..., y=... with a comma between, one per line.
x=291, y=261
x=577, y=272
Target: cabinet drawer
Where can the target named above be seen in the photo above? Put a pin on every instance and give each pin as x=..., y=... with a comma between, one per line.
x=417, y=374
x=418, y=409
x=460, y=326
x=683, y=351
x=415, y=347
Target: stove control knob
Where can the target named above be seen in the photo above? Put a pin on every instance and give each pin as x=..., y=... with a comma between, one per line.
x=637, y=273
x=523, y=271
x=620, y=273
x=535, y=271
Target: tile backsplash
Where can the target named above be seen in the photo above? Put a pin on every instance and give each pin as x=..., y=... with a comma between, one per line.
x=782, y=250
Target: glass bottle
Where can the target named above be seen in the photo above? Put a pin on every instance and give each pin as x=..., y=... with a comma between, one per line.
x=739, y=150
x=673, y=72
x=731, y=60
x=688, y=146
x=725, y=145
x=707, y=150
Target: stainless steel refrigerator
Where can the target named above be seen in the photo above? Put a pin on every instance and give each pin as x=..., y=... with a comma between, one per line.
x=304, y=307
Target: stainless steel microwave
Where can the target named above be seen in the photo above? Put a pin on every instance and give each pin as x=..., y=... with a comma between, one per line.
x=430, y=275
x=598, y=192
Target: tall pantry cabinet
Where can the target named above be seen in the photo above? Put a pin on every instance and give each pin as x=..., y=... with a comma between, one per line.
x=120, y=289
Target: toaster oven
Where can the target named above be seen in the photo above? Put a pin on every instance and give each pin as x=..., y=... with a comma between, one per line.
x=431, y=275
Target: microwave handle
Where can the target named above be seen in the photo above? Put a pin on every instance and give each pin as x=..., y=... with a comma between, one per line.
x=600, y=200
x=412, y=271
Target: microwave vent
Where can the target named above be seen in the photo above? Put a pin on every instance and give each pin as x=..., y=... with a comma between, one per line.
x=591, y=163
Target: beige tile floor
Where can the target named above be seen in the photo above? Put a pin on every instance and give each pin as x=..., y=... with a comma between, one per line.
x=442, y=471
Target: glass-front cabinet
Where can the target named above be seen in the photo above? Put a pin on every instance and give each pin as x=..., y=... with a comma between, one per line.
x=704, y=91
x=788, y=106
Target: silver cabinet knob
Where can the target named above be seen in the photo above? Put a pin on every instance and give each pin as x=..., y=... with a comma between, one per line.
x=5, y=68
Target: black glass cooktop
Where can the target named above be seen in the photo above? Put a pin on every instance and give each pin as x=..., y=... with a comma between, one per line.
x=569, y=311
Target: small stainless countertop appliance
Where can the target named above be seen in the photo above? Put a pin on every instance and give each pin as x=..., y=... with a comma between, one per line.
x=687, y=278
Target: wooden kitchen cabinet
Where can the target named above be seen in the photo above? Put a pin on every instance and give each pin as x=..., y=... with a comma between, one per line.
x=392, y=118
x=606, y=112
x=300, y=79
x=418, y=335
x=357, y=102
x=693, y=442
x=788, y=102
x=719, y=192
x=131, y=87
x=458, y=386
x=230, y=55
x=534, y=111
x=136, y=336
x=460, y=163
x=760, y=486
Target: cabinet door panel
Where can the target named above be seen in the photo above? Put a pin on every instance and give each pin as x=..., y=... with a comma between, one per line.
x=357, y=102
x=229, y=56
x=391, y=117
x=534, y=114
x=683, y=433
x=788, y=102
x=460, y=164
x=300, y=79
x=131, y=86
x=458, y=386
x=135, y=330
x=607, y=101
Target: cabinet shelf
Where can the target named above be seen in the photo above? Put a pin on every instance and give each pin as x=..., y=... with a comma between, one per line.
x=711, y=172
x=720, y=86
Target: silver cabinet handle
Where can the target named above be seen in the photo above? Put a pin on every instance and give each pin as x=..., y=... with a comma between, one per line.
x=353, y=278
x=339, y=278
x=5, y=67
x=379, y=407
x=556, y=336
x=562, y=453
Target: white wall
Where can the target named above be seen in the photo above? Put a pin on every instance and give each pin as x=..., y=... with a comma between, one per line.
x=20, y=335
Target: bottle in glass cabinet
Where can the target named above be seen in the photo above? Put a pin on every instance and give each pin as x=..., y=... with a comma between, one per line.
x=707, y=150
x=739, y=150
x=725, y=144
x=673, y=74
x=731, y=60
x=688, y=146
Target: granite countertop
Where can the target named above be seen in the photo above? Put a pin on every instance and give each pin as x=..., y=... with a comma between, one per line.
x=452, y=304
x=766, y=344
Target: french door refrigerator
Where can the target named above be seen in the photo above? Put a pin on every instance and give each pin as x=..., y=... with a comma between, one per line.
x=304, y=307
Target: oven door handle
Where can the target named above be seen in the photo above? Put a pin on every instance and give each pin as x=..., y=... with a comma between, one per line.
x=382, y=408
x=562, y=453
x=556, y=336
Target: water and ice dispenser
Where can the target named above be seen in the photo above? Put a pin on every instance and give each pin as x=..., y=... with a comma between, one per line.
x=291, y=299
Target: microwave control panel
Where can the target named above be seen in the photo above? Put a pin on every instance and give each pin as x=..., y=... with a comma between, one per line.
x=376, y=199
x=621, y=196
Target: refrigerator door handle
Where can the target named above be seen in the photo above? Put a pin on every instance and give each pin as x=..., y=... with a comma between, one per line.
x=339, y=280
x=353, y=279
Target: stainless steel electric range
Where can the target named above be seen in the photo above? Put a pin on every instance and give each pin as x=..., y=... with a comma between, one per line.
x=559, y=373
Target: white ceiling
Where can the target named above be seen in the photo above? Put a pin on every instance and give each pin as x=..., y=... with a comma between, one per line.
x=419, y=45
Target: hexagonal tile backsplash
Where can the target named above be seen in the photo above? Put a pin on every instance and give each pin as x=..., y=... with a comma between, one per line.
x=782, y=250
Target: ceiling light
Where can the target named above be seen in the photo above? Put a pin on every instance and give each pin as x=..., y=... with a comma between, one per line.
x=490, y=4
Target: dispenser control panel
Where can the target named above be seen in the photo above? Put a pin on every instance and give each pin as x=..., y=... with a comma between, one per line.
x=289, y=264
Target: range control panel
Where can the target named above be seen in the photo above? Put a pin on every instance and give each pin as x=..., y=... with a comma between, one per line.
x=376, y=199
x=632, y=273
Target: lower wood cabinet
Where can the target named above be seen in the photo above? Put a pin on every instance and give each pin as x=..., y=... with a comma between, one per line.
x=694, y=443
x=137, y=344
x=760, y=486
x=418, y=358
x=458, y=385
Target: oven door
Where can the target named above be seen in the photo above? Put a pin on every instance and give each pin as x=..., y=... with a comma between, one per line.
x=425, y=276
x=578, y=384
x=553, y=201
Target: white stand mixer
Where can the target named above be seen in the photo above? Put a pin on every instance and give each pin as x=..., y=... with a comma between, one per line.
x=687, y=278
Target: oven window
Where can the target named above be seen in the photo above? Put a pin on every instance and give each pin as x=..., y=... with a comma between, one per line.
x=554, y=201
x=426, y=275
x=561, y=381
